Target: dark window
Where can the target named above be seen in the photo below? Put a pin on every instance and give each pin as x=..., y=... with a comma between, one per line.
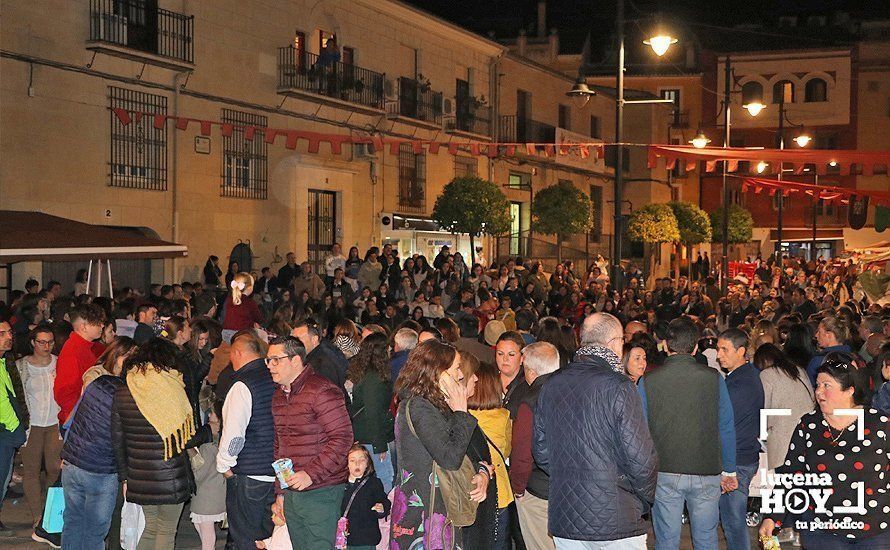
x=519, y=180
x=138, y=150
x=244, y=162
x=412, y=179
x=816, y=90
x=610, y=158
x=464, y=166
x=679, y=169
x=751, y=92
x=825, y=141
x=785, y=87
x=348, y=56
x=565, y=117
x=596, y=211
x=594, y=126
x=825, y=208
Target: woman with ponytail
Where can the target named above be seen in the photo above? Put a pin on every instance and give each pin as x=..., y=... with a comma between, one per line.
x=242, y=312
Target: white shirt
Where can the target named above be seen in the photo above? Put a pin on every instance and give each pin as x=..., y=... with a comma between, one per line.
x=236, y=416
x=37, y=383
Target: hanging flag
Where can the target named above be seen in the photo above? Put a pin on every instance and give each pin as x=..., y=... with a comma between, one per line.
x=882, y=218
x=858, y=211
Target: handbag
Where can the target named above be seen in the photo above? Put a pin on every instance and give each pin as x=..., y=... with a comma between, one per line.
x=54, y=510
x=343, y=522
x=455, y=486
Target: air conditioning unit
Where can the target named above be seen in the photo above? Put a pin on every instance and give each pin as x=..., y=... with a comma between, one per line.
x=390, y=89
x=447, y=106
x=111, y=27
x=363, y=151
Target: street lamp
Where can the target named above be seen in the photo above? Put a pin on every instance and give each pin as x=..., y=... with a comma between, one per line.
x=580, y=93
x=761, y=166
x=803, y=139
x=700, y=141
x=754, y=107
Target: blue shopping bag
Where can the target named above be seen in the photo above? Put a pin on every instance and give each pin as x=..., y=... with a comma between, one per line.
x=54, y=510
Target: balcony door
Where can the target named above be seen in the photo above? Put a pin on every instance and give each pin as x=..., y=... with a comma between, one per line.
x=142, y=23
x=523, y=114
x=462, y=99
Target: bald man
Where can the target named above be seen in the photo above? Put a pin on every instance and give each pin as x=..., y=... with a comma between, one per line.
x=583, y=511
x=246, y=445
x=632, y=328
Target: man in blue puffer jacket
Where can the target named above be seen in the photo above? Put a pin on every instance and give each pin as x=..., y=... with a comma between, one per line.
x=591, y=437
x=89, y=472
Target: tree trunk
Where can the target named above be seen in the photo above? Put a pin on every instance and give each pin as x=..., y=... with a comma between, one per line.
x=472, y=252
x=675, y=271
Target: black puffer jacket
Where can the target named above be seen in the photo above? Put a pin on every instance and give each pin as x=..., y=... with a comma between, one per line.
x=592, y=439
x=139, y=452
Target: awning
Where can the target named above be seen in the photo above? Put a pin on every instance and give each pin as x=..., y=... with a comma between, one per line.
x=36, y=236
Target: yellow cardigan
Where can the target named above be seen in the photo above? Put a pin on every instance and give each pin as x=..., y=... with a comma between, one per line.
x=496, y=424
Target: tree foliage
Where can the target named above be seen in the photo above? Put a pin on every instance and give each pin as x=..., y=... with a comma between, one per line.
x=653, y=223
x=693, y=223
x=741, y=225
x=473, y=206
x=561, y=209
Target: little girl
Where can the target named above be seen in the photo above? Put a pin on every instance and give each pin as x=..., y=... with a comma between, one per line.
x=364, y=502
x=209, y=503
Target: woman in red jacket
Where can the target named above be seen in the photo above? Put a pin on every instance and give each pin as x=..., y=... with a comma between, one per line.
x=241, y=313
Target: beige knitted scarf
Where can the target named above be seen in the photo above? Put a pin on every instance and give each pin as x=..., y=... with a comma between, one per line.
x=160, y=397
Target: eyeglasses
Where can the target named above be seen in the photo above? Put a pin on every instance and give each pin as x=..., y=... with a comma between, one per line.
x=273, y=361
x=45, y=342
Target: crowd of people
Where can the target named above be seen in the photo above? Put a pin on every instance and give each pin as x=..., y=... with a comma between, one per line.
x=409, y=403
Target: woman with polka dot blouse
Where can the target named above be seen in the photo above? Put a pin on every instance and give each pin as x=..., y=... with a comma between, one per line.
x=846, y=456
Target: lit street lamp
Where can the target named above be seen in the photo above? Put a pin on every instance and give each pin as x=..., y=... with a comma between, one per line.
x=700, y=141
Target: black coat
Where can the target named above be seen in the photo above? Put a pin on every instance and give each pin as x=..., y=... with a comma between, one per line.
x=139, y=453
x=593, y=440
x=364, y=529
x=328, y=361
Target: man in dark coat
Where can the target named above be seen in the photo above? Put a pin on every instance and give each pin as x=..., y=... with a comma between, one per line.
x=324, y=358
x=592, y=439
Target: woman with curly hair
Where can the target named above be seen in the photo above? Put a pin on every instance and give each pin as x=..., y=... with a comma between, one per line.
x=372, y=423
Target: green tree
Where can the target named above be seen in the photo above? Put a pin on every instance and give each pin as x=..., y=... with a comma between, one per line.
x=561, y=210
x=694, y=225
x=653, y=223
x=473, y=206
x=741, y=225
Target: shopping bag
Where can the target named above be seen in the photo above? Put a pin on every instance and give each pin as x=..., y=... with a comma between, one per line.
x=54, y=510
x=132, y=525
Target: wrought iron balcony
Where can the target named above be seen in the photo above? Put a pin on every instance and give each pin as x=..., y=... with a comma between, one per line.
x=471, y=118
x=129, y=29
x=680, y=119
x=308, y=74
x=525, y=130
x=415, y=102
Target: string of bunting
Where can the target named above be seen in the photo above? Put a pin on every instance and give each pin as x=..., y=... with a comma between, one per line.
x=593, y=150
x=828, y=193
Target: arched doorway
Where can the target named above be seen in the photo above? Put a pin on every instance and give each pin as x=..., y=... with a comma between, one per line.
x=242, y=254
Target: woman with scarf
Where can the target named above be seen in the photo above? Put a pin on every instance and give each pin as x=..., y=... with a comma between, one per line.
x=151, y=423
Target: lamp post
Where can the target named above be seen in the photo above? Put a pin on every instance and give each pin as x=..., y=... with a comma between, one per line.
x=580, y=93
x=802, y=140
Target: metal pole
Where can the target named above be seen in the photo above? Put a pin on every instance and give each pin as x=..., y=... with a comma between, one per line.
x=98, y=278
x=815, y=206
x=724, y=263
x=779, y=200
x=110, y=288
x=89, y=275
x=619, y=149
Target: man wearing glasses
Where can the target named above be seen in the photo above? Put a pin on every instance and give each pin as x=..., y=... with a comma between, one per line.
x=245, y=448
x=313, y=430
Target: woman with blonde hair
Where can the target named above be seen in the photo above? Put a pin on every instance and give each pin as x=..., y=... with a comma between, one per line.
x=242, y=312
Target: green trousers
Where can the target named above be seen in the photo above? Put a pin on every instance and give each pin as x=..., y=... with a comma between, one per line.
x=312, y=517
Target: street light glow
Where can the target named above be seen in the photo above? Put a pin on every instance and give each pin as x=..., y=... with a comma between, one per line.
x=761, y=166
x=660, y=43
x=803, y=139
x=754, y=107
x=700, y=141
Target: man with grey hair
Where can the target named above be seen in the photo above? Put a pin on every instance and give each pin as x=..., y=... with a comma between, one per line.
x=403, y=341
x=529, y=482
x=871, y=324
x=591, y=437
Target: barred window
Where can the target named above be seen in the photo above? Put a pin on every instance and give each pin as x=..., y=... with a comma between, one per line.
x=138, y=150
x=244, y=162
x=412, y=180
x=465, y=166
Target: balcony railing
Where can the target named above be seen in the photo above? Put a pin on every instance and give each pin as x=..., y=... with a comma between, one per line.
x=472, y=118
x=525, y=130
x=301, y=70
x=680, y=119
x=415, y=102
x=130, y=24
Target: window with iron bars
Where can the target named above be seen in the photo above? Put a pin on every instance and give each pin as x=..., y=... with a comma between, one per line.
x=138, y=150
x=464, y=166
x=412, y=179
x=244, y=162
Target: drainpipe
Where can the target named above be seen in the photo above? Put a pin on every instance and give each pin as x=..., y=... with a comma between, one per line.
x=174, y=174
